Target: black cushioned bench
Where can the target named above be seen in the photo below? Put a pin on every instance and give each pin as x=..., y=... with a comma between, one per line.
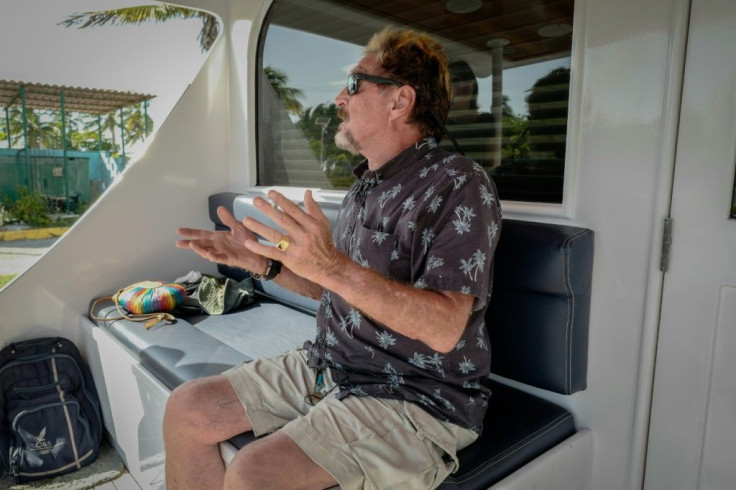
x=538, y=323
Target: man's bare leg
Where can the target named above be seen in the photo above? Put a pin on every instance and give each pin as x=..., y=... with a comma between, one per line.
x=200, y=414
x=204, y=412
x=275, y=462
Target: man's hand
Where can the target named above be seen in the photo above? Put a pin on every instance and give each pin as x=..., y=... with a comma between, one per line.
x=311, y=253
x=224, y=247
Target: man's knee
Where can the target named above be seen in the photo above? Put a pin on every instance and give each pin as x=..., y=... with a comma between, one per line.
x=182, y=408
x=206, y=408
x=246, y=469
x=254, y=468
x=275, y=461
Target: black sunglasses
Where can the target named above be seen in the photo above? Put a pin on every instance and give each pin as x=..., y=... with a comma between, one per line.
x=353, y=89
x=354, y=77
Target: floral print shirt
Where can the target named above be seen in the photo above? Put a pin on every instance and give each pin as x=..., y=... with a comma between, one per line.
x=431, y=219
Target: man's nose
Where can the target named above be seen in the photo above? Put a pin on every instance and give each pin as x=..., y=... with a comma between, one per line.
x=342, y=97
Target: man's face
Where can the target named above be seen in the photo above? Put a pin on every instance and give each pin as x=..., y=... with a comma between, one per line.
x=462, y=95
x=364, y=113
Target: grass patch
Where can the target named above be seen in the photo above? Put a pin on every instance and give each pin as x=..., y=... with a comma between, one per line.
x=6, y=278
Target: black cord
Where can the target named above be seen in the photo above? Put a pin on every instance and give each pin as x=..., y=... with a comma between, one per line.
x=447, y=133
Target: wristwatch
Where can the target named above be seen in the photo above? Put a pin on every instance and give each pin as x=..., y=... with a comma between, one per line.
x=273, y=267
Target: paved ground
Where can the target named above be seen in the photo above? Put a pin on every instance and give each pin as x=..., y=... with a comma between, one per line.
x=18, y=255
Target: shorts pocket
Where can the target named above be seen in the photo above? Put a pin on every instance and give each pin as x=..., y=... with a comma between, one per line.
x=398, y=460
x=445, y=437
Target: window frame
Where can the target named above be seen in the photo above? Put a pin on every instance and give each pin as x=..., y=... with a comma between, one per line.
x=513, y=209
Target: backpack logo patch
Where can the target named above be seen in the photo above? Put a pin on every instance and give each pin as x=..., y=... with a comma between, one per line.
x=42, y=446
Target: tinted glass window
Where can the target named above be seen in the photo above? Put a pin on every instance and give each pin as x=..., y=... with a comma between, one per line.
x=510, y=65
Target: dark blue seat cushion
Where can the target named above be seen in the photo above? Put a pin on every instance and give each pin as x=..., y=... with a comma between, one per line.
x=517, y=428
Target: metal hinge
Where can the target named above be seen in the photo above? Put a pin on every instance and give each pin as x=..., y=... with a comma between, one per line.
x=664, y=261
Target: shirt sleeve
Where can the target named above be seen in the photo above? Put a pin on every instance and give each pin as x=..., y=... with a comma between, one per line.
x=456, y=234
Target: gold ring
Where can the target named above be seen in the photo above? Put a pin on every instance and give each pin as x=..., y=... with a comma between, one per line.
x=283, y=243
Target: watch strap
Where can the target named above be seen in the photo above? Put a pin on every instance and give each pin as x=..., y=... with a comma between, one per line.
x=273, y=268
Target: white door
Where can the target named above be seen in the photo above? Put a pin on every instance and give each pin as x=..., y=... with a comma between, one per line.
x=692, y=440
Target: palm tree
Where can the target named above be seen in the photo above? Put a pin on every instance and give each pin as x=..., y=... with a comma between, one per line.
x=336, y=162
x=148, y=13
x=134, y=126
x=137, y=124
x=3, y=128
x=88, y=137
x=43, y=132
x=289, y=96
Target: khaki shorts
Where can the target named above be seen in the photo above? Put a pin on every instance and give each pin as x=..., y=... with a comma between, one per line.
x=363, y=442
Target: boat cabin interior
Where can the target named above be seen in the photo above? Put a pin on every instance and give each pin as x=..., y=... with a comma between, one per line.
x=608, y=128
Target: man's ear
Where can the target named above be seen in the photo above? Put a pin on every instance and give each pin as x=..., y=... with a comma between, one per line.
x=402, y=102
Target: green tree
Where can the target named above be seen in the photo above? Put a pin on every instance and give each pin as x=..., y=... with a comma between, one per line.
x=289, y=96
x=336, y=163
x=515, y=137
x=148, y=13
x=87, y=136
x=29, y=207
x=136, y=121
x=43, y=131
x=506, y=108
x=3, y=130
x=82, y=130
x=110, y=123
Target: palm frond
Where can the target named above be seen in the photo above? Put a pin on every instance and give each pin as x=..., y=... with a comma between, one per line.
x=147, y=13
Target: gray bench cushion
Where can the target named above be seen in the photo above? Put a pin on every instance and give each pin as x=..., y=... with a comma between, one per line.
x=204, y=345
x=263, y=329
x=173, y=353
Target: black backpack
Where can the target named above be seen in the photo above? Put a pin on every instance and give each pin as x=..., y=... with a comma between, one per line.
x=50, y=419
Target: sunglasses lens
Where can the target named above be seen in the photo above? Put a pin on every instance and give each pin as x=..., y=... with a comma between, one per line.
x=352, y=85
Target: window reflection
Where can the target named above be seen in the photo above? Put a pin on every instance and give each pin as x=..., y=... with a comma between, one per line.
x=473, y=129
x=510, y=67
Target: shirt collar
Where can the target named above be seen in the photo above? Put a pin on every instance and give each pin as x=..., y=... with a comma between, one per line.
x=370, y=178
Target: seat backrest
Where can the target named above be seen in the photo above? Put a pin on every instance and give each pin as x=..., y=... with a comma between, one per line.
x=538, y=316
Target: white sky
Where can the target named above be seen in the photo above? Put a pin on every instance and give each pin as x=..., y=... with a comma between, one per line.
x=158, y=59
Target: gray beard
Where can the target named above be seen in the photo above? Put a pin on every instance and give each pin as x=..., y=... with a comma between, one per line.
x=345, y=141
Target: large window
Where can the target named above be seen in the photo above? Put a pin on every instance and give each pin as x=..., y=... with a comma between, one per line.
x=510, y=65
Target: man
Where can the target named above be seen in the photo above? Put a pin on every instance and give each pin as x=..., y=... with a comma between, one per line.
x=390, y=389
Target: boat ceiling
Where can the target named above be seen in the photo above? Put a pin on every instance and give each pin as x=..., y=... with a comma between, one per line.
x=516, y=21
x=76, y=99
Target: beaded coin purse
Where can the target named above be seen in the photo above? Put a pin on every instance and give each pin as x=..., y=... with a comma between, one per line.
x=146, y=301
